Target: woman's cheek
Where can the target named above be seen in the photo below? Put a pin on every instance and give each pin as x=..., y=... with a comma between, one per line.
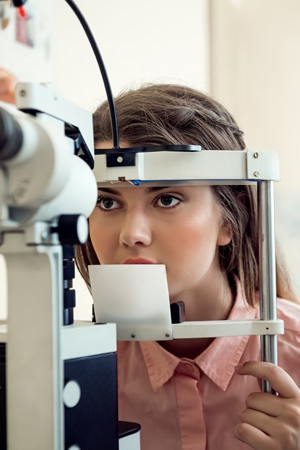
x=100, y=240
x=190, y=253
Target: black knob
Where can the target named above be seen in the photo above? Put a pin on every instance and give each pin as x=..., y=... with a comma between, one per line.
x=72, y=229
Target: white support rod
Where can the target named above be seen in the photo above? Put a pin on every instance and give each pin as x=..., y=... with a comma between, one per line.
x=34, y=366
x=267, y=272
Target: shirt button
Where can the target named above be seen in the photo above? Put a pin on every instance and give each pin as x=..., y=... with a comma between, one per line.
x=188, y=369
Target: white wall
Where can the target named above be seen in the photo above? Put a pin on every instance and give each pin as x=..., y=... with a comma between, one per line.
x=255, y=72
x=140, y=41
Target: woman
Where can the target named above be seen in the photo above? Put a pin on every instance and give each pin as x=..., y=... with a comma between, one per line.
x=195, y=394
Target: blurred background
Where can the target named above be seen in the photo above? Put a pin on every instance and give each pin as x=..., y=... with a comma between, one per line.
x=243, y=53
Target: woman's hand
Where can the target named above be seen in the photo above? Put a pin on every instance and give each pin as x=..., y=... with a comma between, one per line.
x=270, y=422
x=7, y=86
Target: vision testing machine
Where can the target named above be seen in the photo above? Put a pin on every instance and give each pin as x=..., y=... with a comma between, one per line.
x=58, y=378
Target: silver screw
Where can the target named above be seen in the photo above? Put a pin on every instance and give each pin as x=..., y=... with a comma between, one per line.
x=255, y=155
x=133, y=336
x=45, y=235
x=23, y=93
x=256, y=174
x=120, y=159
x=167, y=335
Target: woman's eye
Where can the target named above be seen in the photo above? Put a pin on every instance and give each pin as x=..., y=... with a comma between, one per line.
x=167, y=201
x=107, y=203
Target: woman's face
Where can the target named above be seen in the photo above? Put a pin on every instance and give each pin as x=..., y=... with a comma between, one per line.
x=180, y=227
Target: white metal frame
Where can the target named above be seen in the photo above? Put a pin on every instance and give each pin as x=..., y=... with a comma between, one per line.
x=217, y=167
x=203, y=167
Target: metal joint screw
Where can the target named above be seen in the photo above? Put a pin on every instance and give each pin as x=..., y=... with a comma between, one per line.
x=167, y=335
x=255, y=155
x=256, y=174
x=120, y=159
x=133, y=336
x=45, y=235
x=23, y=93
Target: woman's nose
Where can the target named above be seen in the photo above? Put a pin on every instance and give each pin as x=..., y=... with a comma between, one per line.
x=135, y=230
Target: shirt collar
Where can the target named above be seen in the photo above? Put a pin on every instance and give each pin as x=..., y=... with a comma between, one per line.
x=217, y=361
x=160, y=364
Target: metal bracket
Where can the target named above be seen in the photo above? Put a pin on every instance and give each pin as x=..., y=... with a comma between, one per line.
x=222, y=328
x=263, y=166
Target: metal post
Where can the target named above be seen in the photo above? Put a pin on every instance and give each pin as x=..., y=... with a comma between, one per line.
x=267, y=271
x=34, y=367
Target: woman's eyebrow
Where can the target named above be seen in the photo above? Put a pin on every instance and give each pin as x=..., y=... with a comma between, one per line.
x=109, y=191
x=155, y=189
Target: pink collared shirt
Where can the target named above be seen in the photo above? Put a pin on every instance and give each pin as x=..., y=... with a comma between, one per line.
x=185, y=404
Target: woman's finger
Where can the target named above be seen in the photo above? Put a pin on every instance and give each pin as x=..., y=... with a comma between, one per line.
x=257, y=439
x=266, y=403
x=259, y=420
x=280, y=381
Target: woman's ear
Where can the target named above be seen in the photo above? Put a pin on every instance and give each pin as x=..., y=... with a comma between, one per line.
x=225, y=235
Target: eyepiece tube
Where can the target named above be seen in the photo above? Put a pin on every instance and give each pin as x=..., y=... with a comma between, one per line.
x=11, y=136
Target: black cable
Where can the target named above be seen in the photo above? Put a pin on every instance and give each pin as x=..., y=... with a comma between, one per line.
x=96, y=51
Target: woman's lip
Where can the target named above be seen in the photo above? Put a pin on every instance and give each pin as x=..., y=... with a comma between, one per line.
x=138, y=261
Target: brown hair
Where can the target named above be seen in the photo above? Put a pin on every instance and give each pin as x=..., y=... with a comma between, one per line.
x=171, y=114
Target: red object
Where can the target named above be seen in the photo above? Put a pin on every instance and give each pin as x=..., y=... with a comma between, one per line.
x=21, y=11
